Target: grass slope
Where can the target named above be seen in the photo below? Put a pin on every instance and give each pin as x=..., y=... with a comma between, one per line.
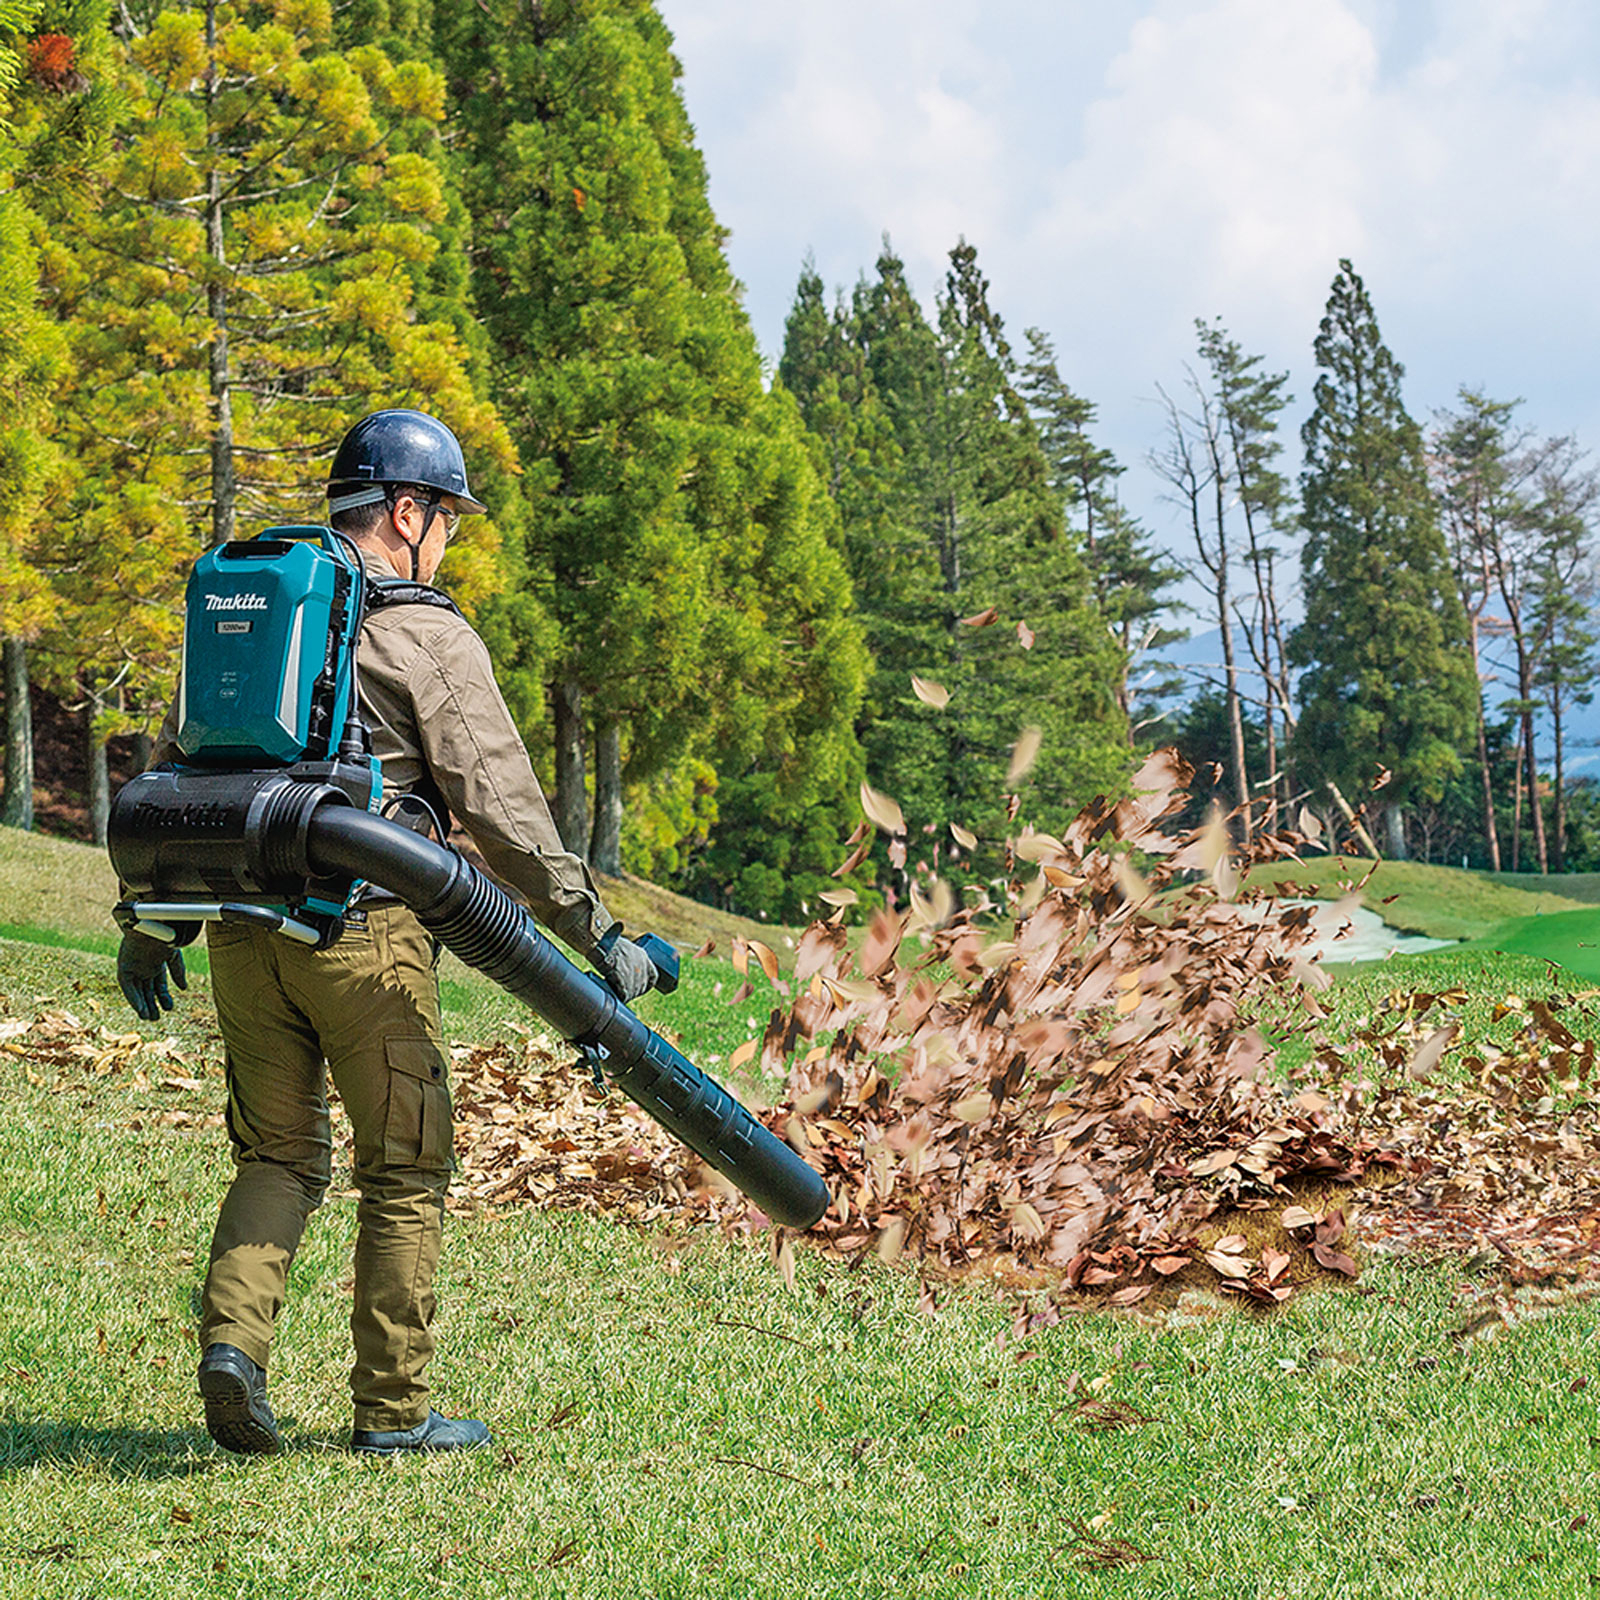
x=671, y=1421
x=1440, y=902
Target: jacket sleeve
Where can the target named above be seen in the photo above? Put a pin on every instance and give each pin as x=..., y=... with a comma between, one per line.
x=472, y=749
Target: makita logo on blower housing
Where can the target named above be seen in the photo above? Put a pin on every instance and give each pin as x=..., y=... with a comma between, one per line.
x=236, y=602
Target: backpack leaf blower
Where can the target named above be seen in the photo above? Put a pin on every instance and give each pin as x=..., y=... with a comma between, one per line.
x=270, y=818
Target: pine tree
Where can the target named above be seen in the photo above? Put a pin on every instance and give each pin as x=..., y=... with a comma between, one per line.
x=674, y=532
x=951, y=516
x=1128, y=577
x=54, y=110
x=1388, y=683
x=262, y=267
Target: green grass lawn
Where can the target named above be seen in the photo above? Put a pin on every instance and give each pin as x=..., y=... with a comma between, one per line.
x=1440, y=902
x=672, y=1421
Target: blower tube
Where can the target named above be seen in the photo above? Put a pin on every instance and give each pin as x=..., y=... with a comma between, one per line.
x=194, y=833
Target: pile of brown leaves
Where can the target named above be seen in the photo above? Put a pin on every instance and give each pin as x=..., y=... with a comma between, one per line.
x=533, y=1127
x=1080, y=1092
x=1085, y=1090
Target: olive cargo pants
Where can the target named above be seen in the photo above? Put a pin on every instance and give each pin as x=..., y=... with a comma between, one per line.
x=370, y=1008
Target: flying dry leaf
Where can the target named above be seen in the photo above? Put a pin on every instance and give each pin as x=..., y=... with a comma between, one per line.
x=1060, y=878
x=839, y=897
x=1135, y=889
x=981, y=619
x=739, y=955
x=769, y=962
x=891, y=1240
x=882, y=810
x=1026, y=1223
x=783, y=1255
x=848, y=991
x=854, y=859
x=707, y=948
x=974, y=1108
x=1383, y=778
x=745, y=1052
x=1023, y=755
x=1431, y=1051
x=1025, y=635
x=882, y=940
x=967, y=841
x=1310, y=824
x=930, y=693
x=1038, y=847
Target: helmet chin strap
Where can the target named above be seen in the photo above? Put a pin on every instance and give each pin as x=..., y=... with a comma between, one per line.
x=416, y=547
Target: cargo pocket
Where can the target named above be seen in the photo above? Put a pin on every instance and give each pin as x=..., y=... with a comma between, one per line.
x=416, y=1129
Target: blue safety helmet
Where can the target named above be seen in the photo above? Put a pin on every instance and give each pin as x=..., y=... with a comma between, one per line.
x=398, y=448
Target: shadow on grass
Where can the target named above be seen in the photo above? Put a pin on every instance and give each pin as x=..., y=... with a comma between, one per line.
x=120, y=1452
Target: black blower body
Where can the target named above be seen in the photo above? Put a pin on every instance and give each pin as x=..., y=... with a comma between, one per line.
x=179, y=839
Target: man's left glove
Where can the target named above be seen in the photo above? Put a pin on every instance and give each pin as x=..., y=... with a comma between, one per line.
x=624, y=966
x=142, y=967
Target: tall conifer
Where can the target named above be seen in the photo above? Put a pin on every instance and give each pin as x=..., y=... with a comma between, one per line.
x=677, y=538
x=1388, y=687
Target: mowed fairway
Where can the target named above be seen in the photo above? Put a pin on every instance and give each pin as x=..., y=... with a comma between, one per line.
x=672, y=1420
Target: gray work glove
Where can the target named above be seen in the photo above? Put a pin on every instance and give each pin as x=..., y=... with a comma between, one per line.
x=142, y=967
x=624, y=966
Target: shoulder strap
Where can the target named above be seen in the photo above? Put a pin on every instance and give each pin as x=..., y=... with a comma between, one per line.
x=397, y=592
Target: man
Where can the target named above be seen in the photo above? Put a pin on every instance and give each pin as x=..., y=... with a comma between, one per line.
x=369, y=1006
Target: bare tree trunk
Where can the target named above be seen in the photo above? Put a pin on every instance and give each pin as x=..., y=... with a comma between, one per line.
x=1230, y=672
x=1558, y=842
x=1491, y=833
x=572, y=804
x=98, y=769
x=605, y=851
x=224, y=488
x=1516, y=821
x=1394, y=829
x=16, y=805
x=1354, y=822
x=1531, y=766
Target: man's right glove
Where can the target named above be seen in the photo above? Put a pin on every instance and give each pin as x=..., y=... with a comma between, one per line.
x=142, y=967
x=624, y=966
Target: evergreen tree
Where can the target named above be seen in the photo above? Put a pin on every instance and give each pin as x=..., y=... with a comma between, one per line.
x=677, y=538
x=54, y=110
x=261, y=268
x=1563, y=589
x=1388, y=684
x=951, y=515
x=1128, y=577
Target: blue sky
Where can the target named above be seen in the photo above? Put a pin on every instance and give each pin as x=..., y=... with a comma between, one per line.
x=1124, y=168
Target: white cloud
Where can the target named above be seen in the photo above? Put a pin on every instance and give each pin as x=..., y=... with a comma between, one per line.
x=1125, y=169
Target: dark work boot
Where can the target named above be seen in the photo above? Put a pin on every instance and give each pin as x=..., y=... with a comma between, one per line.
x=435, y=1433
x=234, y=1389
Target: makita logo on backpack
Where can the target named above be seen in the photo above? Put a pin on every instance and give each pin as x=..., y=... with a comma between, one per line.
x=236, y=602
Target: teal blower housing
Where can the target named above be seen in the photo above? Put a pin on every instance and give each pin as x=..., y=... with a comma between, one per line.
x=268, y=650
x=269, y=819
